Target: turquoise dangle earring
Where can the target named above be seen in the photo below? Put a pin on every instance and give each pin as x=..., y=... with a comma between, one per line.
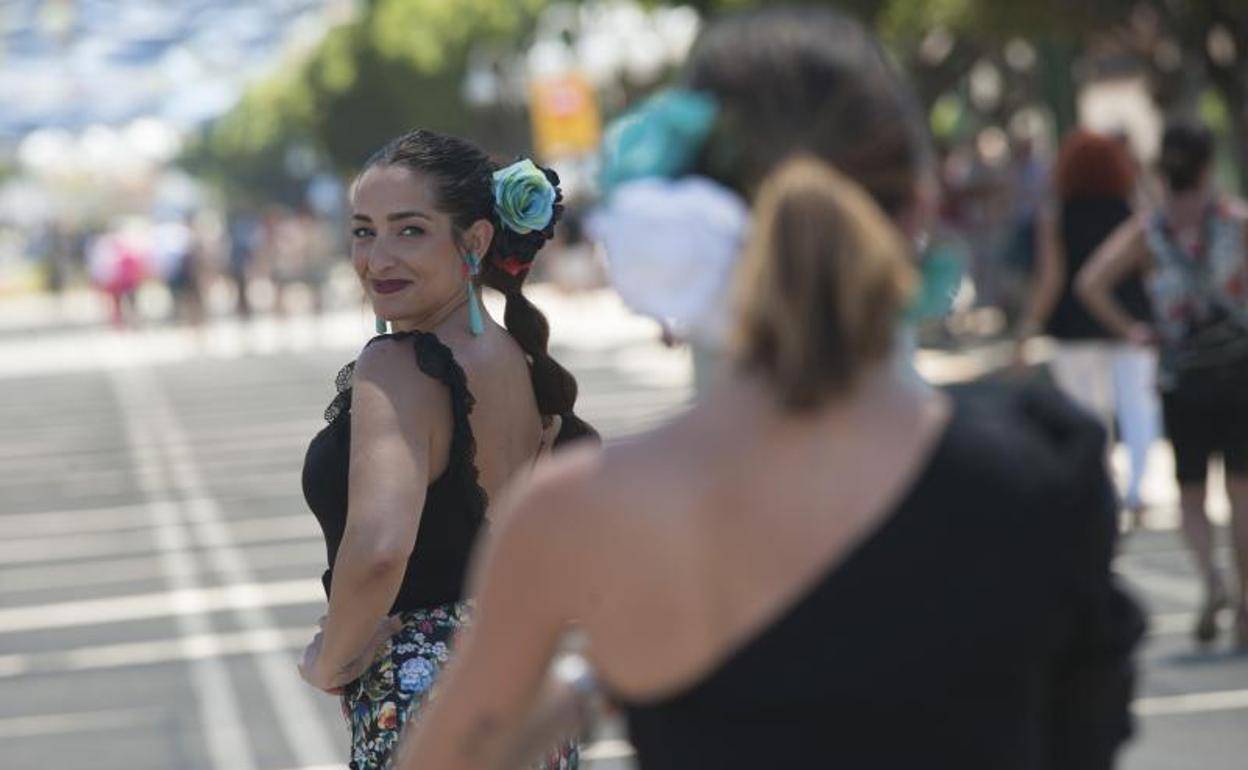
x=472, y=268
x=382, y=325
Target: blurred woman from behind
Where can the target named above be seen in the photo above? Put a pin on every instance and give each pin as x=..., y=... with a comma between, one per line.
x=1194, y=254
x=824, y=562
x=1094, y=181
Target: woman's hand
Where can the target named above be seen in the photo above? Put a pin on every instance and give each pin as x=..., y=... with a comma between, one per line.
x=668, y=336
x=1141, y=334
x=1124, y=252
x=1027, y=330
x=324, y=676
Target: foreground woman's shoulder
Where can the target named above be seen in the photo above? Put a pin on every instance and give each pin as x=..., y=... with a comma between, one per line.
x=560, y=484
x=1236, y=207
x=552, y=512
x=582, y=491
x=1032, y=427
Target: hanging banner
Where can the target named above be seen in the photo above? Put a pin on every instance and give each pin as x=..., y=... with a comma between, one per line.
x=564, y=113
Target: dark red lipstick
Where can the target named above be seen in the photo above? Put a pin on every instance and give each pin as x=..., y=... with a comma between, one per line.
x=390, y=286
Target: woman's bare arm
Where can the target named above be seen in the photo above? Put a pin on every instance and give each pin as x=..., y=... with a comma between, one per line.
x=1123, y=252
x=1046, y=283
x=483, y=713
x=393, y=408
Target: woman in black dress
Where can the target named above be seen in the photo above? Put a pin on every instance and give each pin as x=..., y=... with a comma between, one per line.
x=1110, y=377
x=825, y=563
x=429, y=421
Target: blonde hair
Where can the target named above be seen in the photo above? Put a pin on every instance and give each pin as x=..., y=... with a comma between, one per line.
x=824, y=278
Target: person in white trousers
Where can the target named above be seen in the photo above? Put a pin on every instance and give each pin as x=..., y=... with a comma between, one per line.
x=1115, y=380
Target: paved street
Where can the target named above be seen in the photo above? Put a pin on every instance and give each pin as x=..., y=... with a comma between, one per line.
x=158, y=568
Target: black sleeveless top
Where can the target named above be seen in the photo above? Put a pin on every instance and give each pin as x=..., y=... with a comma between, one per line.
x=455, y=503
x=1084, y=225
x=977, y=629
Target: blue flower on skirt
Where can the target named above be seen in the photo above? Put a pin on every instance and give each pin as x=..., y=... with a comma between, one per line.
x=416, y=675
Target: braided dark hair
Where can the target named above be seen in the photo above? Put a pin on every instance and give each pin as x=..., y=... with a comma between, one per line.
x=462, y=176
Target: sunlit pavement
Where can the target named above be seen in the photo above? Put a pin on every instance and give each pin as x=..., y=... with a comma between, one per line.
x=158, y=568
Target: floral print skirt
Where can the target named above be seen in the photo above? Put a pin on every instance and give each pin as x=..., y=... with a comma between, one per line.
x=399, y=682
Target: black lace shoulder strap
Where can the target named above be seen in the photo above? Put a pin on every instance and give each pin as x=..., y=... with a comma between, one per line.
x=342, y=399
x=437, y=361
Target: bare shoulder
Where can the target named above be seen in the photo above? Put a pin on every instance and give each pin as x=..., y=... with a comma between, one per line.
x=491, y=352
x=557, y=498
x=586, y=495
x=1128, y=243
x=1237, y=208
x=1047, y=215
x=1135, y=226
x=387, y=373
x=389, y=363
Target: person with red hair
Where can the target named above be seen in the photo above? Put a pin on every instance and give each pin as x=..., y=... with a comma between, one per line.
x=1093, y=183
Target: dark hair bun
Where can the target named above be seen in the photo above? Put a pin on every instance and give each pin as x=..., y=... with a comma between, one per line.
x=1186, y=152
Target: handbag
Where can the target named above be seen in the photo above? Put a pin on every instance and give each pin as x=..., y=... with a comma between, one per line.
x=1211, y=363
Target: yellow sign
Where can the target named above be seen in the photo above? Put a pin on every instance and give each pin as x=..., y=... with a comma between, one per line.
x=564, y=112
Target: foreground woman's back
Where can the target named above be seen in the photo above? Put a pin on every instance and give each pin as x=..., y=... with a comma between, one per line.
x=969, y=623
x=824, y=563
x=888, y=578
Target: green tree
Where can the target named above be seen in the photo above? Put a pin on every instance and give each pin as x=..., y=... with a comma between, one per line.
x=246, y=151
x=400, y=64
x=1183, y=46
x=1186, y=46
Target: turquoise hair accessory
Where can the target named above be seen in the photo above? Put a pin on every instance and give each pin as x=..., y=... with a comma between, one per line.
x=381, y=325
x=472, y=266
x=524, y=198
x=941, y=265
x=661, y=137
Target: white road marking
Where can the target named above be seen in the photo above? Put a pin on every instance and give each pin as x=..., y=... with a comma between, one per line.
x=134, y=568
x=182, y=602
x=292, y=702
x=75, y=522
x=1171, y=623
x=263, y=529
x=611, y=748
x=1157, y=583
x=95, y=545
x=154, y=652
x=34, y=550
x=220, y=710
x=80, y=722
x=1191, y=703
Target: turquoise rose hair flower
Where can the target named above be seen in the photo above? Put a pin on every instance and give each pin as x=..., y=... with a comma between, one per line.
x=523, y=197
x=661, y=137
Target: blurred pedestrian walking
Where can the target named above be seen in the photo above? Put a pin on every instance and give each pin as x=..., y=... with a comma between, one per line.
x=825, y=562
x=245, y=236
x=1194, y=253
x=118, y=262
x=430, y=421
x=183, y=263
x=1110, y=377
